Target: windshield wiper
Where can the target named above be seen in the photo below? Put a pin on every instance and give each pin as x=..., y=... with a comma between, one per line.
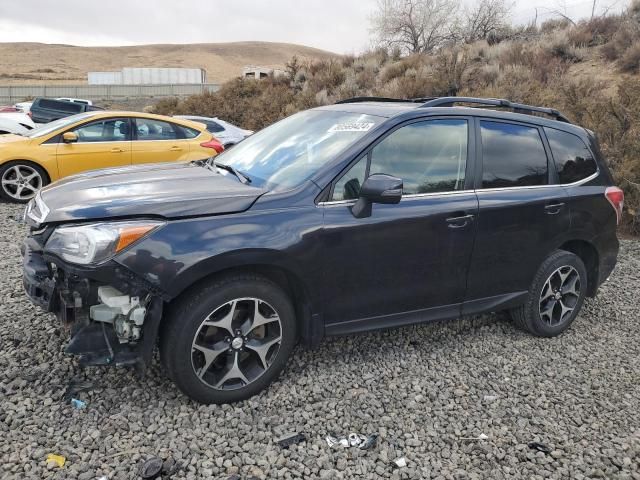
x=241, y=176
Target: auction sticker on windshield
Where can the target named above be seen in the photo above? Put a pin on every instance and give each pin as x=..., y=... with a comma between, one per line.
x=352, y=127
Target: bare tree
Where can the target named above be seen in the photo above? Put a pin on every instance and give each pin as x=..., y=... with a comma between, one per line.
x=414, y=26
x=486, y=18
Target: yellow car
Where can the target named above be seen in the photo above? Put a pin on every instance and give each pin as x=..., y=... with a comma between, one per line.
x=92, y=140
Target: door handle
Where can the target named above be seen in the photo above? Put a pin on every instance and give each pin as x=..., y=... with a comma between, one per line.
x=459, y=222
x=117, y=150
x=553, y=208
x=175, y=149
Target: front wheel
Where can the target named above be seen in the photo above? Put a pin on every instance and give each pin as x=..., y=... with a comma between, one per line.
x=555, y=297
x=230, y=339
x=20, y=181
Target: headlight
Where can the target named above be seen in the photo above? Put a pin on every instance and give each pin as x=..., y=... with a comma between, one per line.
x=97, y=242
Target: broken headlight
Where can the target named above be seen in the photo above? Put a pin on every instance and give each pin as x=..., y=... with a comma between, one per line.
x=97, y=242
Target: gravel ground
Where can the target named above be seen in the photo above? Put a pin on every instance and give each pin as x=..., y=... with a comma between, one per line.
x=426, y=390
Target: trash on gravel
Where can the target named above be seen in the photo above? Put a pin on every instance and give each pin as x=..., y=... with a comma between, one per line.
x=400, y=462
x=541, y=447
x=490, y=398
x=357, y=440
x=288, y=440
x=482, y=436
x=151, y=468
x=59, y=460
x=76, y=386
x=78, y=404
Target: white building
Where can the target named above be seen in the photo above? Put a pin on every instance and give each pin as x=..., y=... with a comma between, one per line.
x=149, y=76
x=252, y=71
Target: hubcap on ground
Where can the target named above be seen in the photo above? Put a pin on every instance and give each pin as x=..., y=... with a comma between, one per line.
x=559, y=295
x=21, y=182
x=236, y=343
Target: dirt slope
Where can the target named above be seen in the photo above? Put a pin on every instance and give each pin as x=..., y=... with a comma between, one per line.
x=33, y=63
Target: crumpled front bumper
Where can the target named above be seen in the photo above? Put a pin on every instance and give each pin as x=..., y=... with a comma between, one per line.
x=69, y=293
x=38, y=281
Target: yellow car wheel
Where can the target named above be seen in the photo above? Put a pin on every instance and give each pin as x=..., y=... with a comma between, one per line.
x=20, y=181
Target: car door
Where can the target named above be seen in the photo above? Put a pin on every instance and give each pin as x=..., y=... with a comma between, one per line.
x=409, y=257
x=158, y=141
x=523, y=212
x=101, y=143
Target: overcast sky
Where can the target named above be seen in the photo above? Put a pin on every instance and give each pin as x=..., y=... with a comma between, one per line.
x=337, y=25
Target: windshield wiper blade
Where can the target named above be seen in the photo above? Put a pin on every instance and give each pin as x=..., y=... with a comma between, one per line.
x=241, y=176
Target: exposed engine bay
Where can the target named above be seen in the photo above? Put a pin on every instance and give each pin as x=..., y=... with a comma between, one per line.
x=113, y=323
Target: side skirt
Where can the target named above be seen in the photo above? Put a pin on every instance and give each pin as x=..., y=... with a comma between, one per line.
x=447, y=312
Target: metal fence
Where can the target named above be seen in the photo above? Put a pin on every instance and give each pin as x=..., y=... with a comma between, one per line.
x=17, y=93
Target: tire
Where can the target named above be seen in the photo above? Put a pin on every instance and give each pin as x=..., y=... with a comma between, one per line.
x=20, y=181
x=200, y=357
x=545, y=312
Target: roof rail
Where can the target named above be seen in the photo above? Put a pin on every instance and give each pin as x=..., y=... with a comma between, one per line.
x=495, y=102
x=384, y=99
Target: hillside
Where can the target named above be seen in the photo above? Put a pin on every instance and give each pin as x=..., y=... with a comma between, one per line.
x=33, y=63
x=589, y=71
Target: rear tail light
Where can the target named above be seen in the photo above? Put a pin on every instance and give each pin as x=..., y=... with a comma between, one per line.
x=615, y=196
x=30, y=115
x=215, y=144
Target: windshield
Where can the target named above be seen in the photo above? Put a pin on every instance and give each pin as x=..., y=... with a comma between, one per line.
x=289, y=152
x=51, y=127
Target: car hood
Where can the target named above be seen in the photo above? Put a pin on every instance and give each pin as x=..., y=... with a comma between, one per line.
x=170, y=190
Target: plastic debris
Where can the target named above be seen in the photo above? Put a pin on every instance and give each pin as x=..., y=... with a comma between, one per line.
x=151, y=468
x=76, y=386
x=78, y=404
x=59, y=460
x=287, y=441
x=400, y=462
x=356, y=440
x=541, y=447
x=482, y=436
x=490, y=398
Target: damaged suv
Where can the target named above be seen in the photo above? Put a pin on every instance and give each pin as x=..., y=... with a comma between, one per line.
x=368, y=214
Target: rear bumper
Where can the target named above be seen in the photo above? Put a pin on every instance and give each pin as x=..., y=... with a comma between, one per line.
x=608, y=247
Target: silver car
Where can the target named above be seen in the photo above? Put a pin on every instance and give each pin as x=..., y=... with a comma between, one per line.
x=227, y=133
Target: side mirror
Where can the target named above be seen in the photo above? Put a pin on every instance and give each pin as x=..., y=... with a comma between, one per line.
x=69, y=137
x=378, y=188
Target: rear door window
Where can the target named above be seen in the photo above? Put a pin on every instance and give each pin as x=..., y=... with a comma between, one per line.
x=151, y=129
x=572, y=157
x=513, y=155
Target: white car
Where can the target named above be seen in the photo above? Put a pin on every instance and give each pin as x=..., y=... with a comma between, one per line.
x=10, y=126
x=227, y=133
x=24, y=107
x=19, y=117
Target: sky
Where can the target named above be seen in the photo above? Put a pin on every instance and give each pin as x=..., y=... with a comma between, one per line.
x=340, y=26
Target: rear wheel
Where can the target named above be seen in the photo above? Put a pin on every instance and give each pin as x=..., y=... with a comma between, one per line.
x=230, y=339
x=555, y=297
x=20, y=181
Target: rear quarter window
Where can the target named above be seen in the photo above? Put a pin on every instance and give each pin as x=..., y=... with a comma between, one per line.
x=574, y=161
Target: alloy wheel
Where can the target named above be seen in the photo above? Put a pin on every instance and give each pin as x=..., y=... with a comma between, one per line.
x=560, y=295
x=21, y=182
x=236, y=343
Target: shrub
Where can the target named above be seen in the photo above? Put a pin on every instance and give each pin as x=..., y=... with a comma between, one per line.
x=596, y=31
x=630, y=60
